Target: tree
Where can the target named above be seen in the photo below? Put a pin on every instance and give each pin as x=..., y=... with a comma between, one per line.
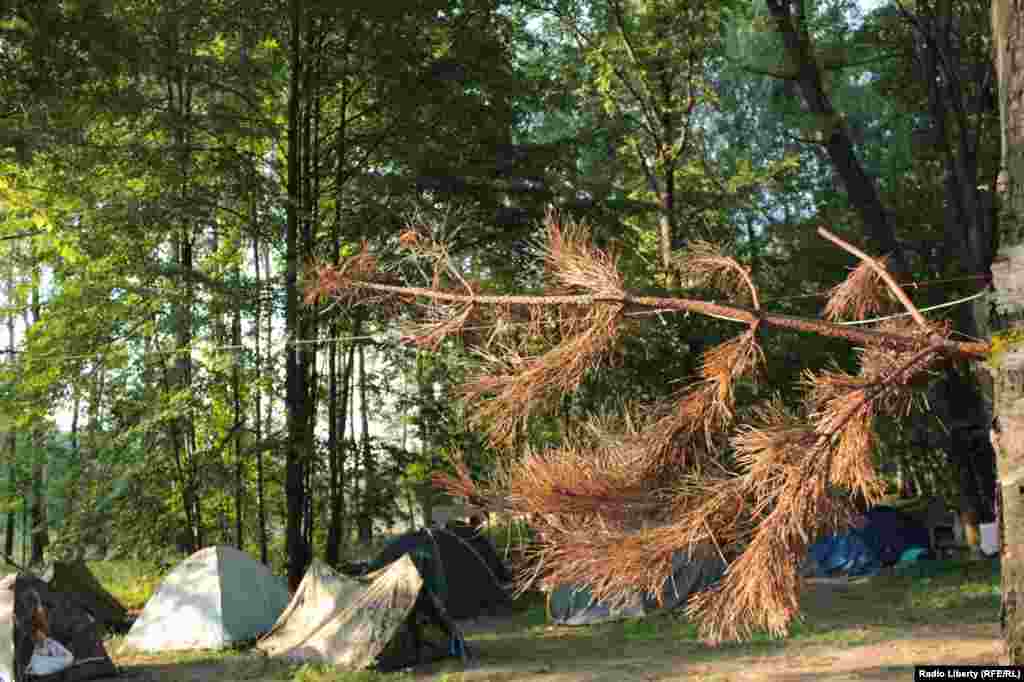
x=1008, y=365
x=932, y=69
x=612, y=508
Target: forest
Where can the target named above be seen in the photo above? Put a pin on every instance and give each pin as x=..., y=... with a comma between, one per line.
x=191, y=191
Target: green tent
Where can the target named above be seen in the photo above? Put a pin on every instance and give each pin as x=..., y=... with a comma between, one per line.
x=574, y=604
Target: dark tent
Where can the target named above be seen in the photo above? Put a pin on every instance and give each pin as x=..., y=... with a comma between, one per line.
x=69, y=624
x=480, y=542
x=889, y=533
x=691, y=573
x=76, y=580
x=845, y=554
x=452, y=569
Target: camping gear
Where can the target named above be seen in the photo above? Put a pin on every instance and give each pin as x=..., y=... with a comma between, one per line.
x=889, y=532
x=354, y=622
x=49, y=657
x=989, y=538
x=575, y=605
x=214, y=598
x=75, y=579
x=845, y=553
x=941, y=525
x=452, y=568
x=482, y=544
x=68, y=623
x=884, y=536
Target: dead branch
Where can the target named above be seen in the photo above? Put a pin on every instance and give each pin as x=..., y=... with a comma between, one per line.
x=631, y=303
x=611, y=511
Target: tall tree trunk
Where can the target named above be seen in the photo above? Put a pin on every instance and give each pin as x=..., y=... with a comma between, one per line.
x=261, y=510
x=296, y=391
x=12, y=435
x=40, y=534
x=75, y=475
x=835, y=137
x=236, y=390
x=338, y=405
x=368, y=508
x=339, y=409
x=1008, y=279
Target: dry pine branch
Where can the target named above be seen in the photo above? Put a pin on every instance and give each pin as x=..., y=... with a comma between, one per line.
x=612, y=512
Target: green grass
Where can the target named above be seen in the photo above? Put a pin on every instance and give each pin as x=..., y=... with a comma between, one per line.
x=321, y=673
x=131, y=582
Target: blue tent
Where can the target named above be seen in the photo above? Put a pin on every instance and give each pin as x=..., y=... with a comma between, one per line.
x=848, y=554
x=883, y=539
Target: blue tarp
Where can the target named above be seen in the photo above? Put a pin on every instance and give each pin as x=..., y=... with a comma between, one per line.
x=885, y=536
x=847, y=554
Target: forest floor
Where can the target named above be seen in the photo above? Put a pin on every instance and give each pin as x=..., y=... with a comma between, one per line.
x=867, y=629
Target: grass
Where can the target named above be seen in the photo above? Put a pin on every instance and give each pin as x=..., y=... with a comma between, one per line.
x=839, y=616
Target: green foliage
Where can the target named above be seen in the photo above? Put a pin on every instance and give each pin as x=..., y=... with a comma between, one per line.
x=131, y=582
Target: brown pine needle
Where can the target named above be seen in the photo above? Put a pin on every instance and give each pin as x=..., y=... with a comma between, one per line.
x=862, y=294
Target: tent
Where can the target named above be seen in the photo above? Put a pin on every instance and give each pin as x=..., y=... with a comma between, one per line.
x=691, y=573
x=480, y=542
x=75, y=579
x=844, y=553
x=69, y=624
x=884, y=536
x=446, y=561
x=889, y=533
x=356, y=622
x=216, y=597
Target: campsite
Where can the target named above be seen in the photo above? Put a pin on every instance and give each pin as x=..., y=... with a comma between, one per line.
x=189, y=625
x=862, y=629
x=510, y=340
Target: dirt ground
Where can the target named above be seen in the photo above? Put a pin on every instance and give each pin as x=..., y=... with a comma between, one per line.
x=892, y=660
x=855, y=655
x=860, y=648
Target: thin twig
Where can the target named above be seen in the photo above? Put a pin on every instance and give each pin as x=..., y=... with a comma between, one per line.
x=883, y=273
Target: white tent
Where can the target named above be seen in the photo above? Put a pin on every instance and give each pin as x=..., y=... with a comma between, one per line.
x=214, y=598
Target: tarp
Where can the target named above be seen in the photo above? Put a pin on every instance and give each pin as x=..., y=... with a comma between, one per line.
x=216, y=597
x=344, y=621
x=846, y=554
x=574, y=604
x=884, y=536
x=69, y=624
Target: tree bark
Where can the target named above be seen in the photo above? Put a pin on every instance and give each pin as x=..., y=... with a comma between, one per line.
x=835, y=136
x=338, y=447
x=368, y=507
x=1008, y=280
x=12, y=435
x=40, y=534
x=296, y=391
